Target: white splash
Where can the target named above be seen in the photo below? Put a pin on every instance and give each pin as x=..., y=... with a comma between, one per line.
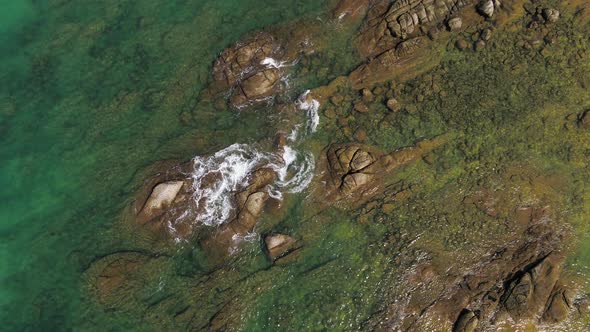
x=294, y=133
x=311, y=106
x=217, y=178
x=273, y=63
x=296, y=172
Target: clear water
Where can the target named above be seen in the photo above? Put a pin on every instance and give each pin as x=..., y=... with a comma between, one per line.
x=92, y=92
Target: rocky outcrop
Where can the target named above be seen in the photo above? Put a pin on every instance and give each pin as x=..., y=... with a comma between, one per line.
x=249, y=69
x=399, y=62
x=389, y=22
x=358, y=169
x=517, y=282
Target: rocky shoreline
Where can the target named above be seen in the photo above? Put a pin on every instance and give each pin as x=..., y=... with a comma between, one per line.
x=515, y=281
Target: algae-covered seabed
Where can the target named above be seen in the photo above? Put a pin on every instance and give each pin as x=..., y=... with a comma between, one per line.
x=94, y=93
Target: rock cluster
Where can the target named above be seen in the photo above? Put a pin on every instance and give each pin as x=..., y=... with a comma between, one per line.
x=388, y=22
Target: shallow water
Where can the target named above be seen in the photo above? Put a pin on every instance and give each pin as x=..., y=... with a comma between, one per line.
x=93, y=94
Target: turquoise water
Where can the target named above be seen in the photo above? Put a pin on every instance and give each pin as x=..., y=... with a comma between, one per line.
x=92, y=92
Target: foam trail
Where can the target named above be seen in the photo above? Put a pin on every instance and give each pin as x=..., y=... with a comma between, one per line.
x=306, y=103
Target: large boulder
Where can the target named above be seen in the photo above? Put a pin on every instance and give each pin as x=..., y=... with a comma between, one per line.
x=261, y=85
x=249, y=69
x=243, y=59
x=161, y=197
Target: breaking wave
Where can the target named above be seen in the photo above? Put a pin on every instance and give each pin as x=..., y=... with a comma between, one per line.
x=217, y=178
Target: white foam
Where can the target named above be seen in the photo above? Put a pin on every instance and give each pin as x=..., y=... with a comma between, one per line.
x=218, y=177
x=294, y=133
x=311, y=106
x=272, y=63
x=296, y=173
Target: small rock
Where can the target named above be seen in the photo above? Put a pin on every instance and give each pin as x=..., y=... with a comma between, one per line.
x=368, y=96
x=486, y=8
x=360, y=135
x=551, y=15
x=393, y=105
x=455, y=24
x=486, y=34
x=461, y=44
x=378, y=91
x=360, y=107
x=330, y=113
x=467, y=322
x=479, y=45
x=278, y=245
x=337, y=100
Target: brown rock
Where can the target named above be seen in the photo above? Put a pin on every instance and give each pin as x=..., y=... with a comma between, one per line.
x=244, y=59
x=360, y=107
x=393, y=104
x=585, y=119
x=558, y=307
x=486, y=7
x=360, y=135
x=461, y=44
x=486, y=34
x=368, y=96
x=160, y=199
x=278, y=245
x=256, y=87
x=479, y=45
x=551, y=15
x=455, y=24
